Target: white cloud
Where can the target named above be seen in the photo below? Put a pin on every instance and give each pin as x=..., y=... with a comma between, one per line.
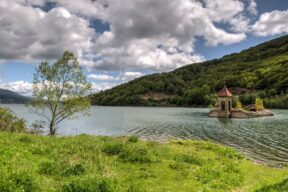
x=252, y=7
x=120, y=78
x=28, y=33
x=138, y=28
x=97, y=87
x=101, y=77
x=21, y=87
x=145, y=34
x=272, y=23
x=25, y=88
x=132, y=75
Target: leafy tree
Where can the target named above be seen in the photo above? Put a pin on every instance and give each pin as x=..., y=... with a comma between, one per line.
x=10, y=123
x=259, y=104
x=260, y=71
x=60, y=91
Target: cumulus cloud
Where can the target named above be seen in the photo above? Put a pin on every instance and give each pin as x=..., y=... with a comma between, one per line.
x=145, y=34
x=28, y=33
x=21, y=87
x=101, y=86
x=160, y=35
x=272, y=23
x=252, y=7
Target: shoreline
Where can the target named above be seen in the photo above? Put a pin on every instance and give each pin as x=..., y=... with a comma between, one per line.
x=126, y=163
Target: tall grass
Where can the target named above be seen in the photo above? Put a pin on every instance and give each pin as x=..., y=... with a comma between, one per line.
x=87, y=163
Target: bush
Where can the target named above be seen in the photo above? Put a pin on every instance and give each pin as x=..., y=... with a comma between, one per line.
x=112, y=148
x=47, y=168
x=90, y=185
x=281, y=186
x=135, y=155
x=238, y=104
x=53, y=168
x=133, y=139
x=192, y=160
x=38, y=127
x=10, y=123
x=18, y=182
x=75, y=170
x=259, y=104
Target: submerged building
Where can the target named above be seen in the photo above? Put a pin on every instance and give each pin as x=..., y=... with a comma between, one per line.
x=224, y=107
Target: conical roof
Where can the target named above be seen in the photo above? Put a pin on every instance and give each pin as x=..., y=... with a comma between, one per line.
x=224, y=92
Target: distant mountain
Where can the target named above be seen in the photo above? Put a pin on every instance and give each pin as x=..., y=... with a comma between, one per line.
x=10, y=97
x=261, y=71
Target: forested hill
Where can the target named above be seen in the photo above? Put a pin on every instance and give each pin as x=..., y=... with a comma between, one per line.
x=9, y=97
x=261, y=71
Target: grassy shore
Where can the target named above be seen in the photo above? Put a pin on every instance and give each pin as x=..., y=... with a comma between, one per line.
x=89, y=163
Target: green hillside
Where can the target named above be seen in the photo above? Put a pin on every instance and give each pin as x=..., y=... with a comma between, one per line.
x=8, y=97
x=261, y=71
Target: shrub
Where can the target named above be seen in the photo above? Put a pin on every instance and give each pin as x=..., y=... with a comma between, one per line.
x=38, y=127
x=238, y=104
x=259, y=104
x=53, y=168
x=133, y=139
x=18, y=182
x=135, y=154
x=281, y=186
x=10, y=123
x=207, y=174
x=77, y=169
x=229, y=153
x=90, y=185
x=177, y=166
x=135, y=188
x=192, y=159
x=25, y=139
x=47, y=168
x=112, y=148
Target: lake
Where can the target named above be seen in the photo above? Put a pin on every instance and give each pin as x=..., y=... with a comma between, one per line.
x=264, y=139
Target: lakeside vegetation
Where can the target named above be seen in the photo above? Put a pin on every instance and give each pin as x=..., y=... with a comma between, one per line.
x=30, y=163
x=260, y=71
x=90, y=163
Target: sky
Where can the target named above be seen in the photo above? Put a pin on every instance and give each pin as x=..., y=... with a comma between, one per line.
x=117, y=41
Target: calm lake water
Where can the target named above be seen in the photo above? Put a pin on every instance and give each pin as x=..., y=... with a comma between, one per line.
x=261, y=139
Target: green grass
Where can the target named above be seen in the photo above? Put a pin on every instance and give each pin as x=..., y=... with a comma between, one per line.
x=101, y=164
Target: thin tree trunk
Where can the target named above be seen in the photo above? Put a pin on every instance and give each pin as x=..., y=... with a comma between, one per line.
x=52, y=128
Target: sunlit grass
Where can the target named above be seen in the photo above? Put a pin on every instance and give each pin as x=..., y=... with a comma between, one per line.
x=89, y=163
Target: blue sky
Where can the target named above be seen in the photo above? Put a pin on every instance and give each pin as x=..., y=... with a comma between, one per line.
x=117, y=41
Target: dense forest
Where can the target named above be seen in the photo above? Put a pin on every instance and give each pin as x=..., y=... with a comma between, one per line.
x=261, y=71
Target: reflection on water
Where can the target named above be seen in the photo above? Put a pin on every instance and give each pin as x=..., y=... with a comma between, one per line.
x=262, y=139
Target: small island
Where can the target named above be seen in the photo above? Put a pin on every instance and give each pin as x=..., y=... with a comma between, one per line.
x=224, y=107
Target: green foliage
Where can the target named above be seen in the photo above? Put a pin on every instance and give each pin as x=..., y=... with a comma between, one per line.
x=259, y=104
x=37, y=163
x=260, y=71
x=238, y=104
x=18, y=182
x=113, y=148
x=38, y=128
x=133, y=139
x=192, y=159
x=135, y=154
x=89, y=185
x=74, y=170
x=60, y=91
x=10, y=123
x=280, y=186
